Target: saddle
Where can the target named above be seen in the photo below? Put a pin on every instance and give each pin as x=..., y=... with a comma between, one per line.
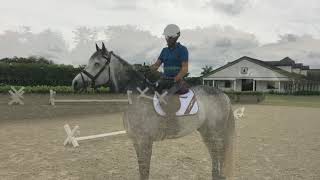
x=187, y=103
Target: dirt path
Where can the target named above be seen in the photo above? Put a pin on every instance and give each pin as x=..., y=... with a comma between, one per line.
x=273, y=143
x=279, y=143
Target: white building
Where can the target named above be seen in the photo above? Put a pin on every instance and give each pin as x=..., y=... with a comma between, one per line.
x=248, y=74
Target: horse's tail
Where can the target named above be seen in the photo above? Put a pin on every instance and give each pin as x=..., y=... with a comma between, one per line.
x=230, y=145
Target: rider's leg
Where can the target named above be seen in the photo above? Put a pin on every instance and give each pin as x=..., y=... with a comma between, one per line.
x=183, y=87
x=164, y=84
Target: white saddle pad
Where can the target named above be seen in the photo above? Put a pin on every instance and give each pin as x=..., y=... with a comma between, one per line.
x=188, y=105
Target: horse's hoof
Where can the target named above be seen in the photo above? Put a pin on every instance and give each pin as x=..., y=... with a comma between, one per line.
x=219, y=177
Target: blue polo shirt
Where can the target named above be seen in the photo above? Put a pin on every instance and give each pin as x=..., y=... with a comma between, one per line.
x=172, y=59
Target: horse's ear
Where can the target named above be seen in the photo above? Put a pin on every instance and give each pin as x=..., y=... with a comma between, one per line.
x=97, y=47
x=104, y=49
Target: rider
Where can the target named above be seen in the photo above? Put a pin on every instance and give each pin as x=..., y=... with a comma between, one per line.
x=175, y=62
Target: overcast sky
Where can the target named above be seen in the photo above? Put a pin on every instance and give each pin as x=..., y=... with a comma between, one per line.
x=214, y=31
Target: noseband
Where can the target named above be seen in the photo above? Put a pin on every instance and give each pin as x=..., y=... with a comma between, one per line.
x=94, y=78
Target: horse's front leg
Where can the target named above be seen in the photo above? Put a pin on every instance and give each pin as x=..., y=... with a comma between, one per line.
x=144, y=152
x=216, y=150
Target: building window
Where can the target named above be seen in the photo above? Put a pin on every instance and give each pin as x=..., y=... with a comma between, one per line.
x=227, y=84
x=211, y=83
x=205, y=82
x=246, y=84
x=271, y=85
x=208, y=82
x=244, y=70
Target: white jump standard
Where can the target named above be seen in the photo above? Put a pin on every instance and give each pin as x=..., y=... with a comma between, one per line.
x=239, y=113
x=16, y=95
x=143, y=95
x=71, y=139
x=53, y=101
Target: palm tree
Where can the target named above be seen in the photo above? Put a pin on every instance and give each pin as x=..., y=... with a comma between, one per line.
x=206, y=70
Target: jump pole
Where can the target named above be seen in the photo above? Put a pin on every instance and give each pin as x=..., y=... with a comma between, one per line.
x=53, y=101
x=71, y=139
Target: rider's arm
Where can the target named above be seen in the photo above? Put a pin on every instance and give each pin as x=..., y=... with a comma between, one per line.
x=156, y=65
x=183, y=71
x=184, y=55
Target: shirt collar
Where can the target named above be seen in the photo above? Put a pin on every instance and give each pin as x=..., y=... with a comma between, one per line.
x=177, y=46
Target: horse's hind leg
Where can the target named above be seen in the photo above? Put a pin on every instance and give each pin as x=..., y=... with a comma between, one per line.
x=215, y=147
x=144, y=152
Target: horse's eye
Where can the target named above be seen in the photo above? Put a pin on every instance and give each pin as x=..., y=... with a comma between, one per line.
x=96, y=64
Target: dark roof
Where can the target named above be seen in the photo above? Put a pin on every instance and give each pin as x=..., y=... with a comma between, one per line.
x=298, y=65
x=287, y=62
x=260, y=62
x=283, y=62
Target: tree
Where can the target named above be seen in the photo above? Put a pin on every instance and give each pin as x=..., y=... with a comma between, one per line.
x=206, y=70
x=85, y=35
x=28, y=60
x=84, y=40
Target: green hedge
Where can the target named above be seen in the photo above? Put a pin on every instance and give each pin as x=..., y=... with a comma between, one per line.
x=240, y=96
x=28, y=74
x=307, y=93
x=297, y=93
x=246, y=93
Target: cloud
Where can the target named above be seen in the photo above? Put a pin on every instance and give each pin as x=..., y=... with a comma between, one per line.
x=266, y=19
x=303, y=49
x=133, y=44
x=114, y=5
x=213, y=46
x=288, y=38
x=229, y=7
x=125, y=5
x=48, y=43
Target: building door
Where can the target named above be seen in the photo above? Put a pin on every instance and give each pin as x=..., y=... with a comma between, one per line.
x=247, y=85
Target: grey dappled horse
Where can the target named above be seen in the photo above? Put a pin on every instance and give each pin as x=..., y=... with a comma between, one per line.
x=214, y=120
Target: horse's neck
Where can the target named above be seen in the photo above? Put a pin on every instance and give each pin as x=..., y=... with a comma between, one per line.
x=124, y=76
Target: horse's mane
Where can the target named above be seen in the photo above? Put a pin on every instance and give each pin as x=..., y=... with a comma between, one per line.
x=129, y=66
x=135, y=75
x=122, y=61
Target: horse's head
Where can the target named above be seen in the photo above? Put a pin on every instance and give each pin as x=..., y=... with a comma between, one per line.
x=106, y=67
x=97, y=71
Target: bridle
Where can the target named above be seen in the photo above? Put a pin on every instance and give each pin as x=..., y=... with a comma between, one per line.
x=94, y=78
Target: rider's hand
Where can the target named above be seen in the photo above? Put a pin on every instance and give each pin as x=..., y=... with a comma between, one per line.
x=177, y=78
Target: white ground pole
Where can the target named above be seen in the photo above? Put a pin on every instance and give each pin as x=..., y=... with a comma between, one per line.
x=53, y=101
x=71, y=139
x=16, y=95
